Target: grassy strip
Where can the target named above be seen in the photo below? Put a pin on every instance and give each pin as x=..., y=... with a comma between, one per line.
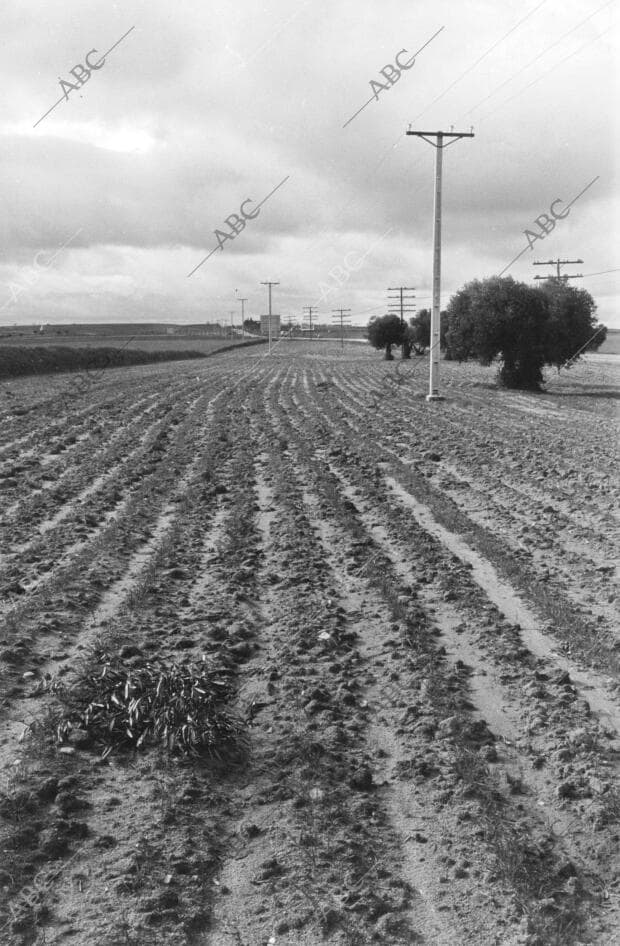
x=17, y=361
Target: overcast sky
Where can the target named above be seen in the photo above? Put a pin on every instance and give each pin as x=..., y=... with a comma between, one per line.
x=115, y=196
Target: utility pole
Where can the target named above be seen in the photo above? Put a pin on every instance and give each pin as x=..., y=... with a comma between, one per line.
x=342, y=320
x=310, y=309
x=439, y=144
x=231, y=313
x=242, y=301
x=398, y=305
x=270, y=284
x=558, y=263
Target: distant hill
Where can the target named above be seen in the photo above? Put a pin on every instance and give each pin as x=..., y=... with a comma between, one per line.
x=103, y=329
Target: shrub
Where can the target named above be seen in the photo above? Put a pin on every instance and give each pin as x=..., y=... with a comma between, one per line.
x=181, y=706
x=384, y=332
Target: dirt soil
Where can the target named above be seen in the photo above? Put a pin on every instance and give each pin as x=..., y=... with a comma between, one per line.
x=412, y=608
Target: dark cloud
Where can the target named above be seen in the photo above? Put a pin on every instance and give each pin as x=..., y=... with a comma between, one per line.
x=204, y=106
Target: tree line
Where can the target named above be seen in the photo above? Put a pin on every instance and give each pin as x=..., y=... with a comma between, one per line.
x=524, y=328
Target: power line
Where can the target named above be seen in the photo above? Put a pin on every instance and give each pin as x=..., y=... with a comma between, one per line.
x=603, y=272
x=479, y=60
x=541, y=77
x=539, y=56
x=460, y=78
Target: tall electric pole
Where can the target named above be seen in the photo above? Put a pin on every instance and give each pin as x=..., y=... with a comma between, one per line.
x=270, y=284
x=231, y=313
x=309, y=309
x=342, y=318
x=560, y=277
x=439, y=145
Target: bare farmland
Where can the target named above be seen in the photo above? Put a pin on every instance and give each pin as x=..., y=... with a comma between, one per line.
x=412, y=611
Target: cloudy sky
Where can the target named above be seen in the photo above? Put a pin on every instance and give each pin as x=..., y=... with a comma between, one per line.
x=116, y=195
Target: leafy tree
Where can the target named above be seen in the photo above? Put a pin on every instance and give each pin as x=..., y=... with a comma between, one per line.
x=502, y=318
x=251, y=325
x=421, y=330
x=384, y=332
x=572, y=328
x=525, y=327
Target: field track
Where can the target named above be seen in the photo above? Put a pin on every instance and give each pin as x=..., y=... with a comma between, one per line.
x=418, y=606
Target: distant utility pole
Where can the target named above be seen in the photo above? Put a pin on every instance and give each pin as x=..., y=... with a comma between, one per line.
x=231, y=313
x=309, y=309
x=400, y=304
x=242, y=301
x=439, y=145
x=560, y=277
x=342, y=322
x=270, y=284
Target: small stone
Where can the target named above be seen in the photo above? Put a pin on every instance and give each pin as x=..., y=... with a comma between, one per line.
x=449, y=726
x=362, y=780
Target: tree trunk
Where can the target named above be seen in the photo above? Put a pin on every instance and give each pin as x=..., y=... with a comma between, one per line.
x=388, y=353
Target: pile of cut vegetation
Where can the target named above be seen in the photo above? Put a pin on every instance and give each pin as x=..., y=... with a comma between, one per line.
x=183, y=707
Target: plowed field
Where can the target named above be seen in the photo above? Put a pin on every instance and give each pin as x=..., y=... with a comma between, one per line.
x=411, y=610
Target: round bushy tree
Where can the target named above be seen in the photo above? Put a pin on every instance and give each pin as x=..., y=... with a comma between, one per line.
x=572, y=328
x=385, y=331
x=505, y=319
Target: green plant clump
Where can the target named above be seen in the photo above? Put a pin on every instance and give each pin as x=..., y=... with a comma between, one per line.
x=181, y=706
